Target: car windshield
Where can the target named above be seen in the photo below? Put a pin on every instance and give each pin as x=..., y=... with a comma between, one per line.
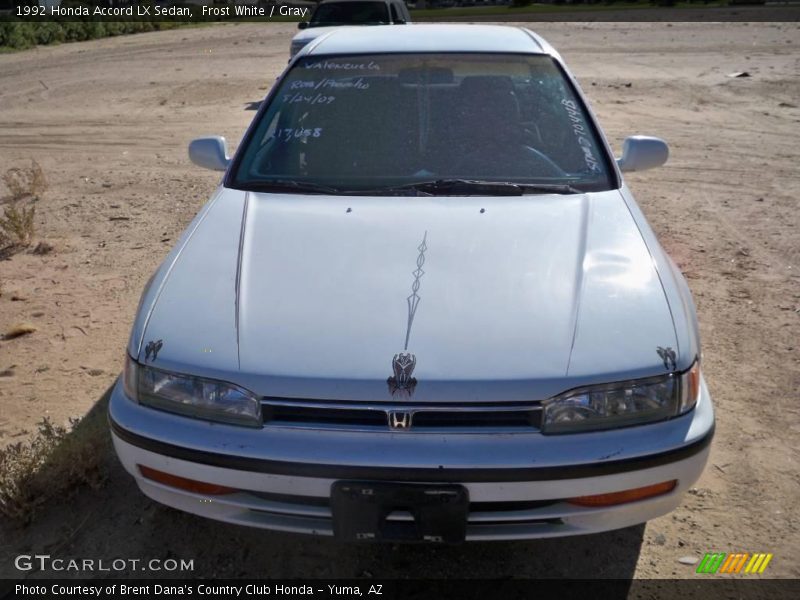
x=350, y=13
x=380, y=123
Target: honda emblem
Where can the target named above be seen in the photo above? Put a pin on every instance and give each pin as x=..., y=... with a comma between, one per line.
x=399, y=419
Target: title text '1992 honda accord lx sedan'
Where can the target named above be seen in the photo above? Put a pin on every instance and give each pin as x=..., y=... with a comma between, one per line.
x=422, y=305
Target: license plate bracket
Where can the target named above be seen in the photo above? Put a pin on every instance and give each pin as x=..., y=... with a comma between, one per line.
x=399, y=512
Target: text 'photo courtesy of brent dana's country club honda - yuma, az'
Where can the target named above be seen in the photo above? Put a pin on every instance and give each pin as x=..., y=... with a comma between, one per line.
x=422, y=305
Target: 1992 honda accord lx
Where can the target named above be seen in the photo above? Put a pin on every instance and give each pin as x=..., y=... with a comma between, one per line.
x=421, y=306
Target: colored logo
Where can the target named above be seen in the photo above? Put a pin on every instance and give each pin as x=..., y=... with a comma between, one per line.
x=736, y=562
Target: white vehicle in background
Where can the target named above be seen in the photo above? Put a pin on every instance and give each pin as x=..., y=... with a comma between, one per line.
x=330, y=14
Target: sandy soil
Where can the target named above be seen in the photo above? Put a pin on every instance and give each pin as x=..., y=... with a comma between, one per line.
x=109, y=122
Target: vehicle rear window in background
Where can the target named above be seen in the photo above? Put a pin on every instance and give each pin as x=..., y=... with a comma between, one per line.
x=364, y=122
x=342, y=13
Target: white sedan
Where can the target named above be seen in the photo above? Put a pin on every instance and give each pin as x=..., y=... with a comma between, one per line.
x=422, y=305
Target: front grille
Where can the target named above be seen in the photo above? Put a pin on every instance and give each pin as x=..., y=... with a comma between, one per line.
x=484, y=418
x=423, y=417
x=322, y=416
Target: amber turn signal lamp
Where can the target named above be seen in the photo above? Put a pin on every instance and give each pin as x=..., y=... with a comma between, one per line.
x=182, y=483
x=694, y=382
x=625, y=496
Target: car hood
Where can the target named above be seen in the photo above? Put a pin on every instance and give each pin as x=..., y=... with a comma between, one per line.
x=497, y=299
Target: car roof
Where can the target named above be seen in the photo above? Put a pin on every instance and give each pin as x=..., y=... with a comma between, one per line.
x=428, y=38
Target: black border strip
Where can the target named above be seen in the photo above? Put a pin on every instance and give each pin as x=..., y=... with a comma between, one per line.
x=537, y=581
x=456, y=475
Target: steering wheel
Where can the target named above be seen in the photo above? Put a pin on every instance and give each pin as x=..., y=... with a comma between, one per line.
x=518, y=160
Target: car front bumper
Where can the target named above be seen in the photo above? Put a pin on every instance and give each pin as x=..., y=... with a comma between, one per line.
x=517, y=483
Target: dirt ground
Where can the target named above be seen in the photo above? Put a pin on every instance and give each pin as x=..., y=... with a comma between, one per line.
x=109, y=122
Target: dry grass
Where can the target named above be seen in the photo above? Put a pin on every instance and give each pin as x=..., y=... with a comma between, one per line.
x=56, y=462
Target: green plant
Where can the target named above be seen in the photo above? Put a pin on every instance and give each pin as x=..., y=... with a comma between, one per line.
x=17, y=35
x=49, y=33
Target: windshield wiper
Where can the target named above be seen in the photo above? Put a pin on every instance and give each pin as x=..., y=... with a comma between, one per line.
x=549, y=188
x=291, y=186
x=437, y=187
x=473, y=187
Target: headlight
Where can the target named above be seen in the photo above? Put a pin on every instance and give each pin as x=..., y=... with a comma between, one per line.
x=191, y=396
x=622, y=404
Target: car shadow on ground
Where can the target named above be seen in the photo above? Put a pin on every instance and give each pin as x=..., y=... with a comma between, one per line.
x=114, y=520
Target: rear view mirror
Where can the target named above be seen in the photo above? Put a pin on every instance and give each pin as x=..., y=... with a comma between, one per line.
x=302, y=25
x=641, y=152
x=210, y=153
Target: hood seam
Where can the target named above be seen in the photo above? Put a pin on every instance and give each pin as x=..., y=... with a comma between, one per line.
x=654, y=264
x=238, y=284
x=580, y=277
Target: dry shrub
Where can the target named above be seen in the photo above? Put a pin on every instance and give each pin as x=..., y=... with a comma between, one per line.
x=25, y=182
x=54, y=464
x=16, y=226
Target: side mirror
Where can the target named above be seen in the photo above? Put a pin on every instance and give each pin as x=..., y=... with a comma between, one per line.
x=210, y=153
x=640, y=152
x=302, y=25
